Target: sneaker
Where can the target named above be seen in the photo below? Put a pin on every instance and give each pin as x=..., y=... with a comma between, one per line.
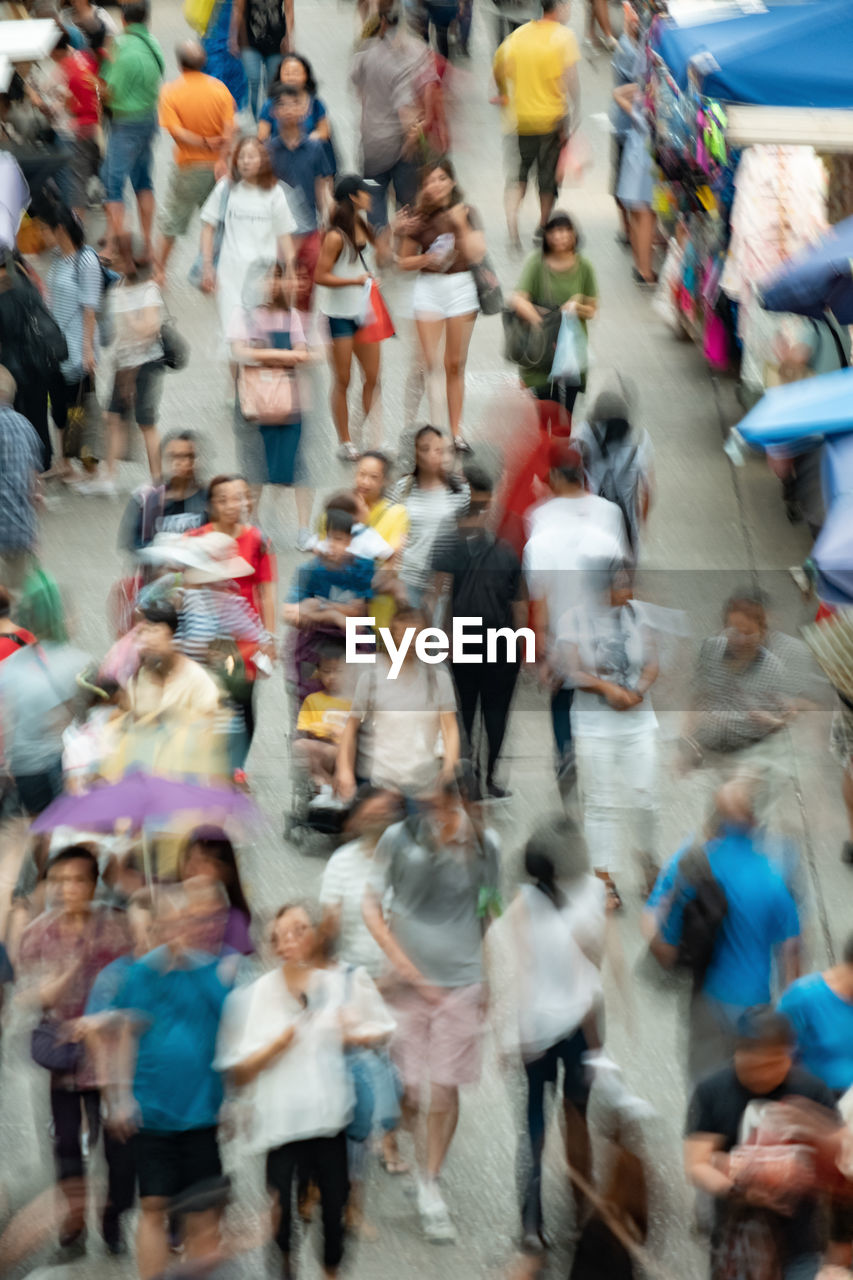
x=326, y=799
x=437, y=1224
x=461, y=445
x=303, y=539
x=99, y=488
x=347, y=452
x=847, y=852
x=609, y=43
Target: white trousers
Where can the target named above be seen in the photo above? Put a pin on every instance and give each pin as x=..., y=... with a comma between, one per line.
x=619, y=789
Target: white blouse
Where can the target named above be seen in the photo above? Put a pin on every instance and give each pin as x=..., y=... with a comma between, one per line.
x=306, y=1092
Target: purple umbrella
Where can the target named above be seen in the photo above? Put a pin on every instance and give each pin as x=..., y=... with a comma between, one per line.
x=141, y=798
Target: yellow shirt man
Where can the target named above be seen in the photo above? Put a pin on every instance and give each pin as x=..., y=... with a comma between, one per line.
x=534, y=69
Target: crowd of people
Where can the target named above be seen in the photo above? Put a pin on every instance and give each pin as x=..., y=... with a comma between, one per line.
x=179, y=1024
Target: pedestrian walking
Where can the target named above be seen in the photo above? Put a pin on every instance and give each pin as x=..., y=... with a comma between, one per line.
x=482, y=578
x=227, y=505
x=132, y=80
x=444, y=241
x=62, y=952
x=619, y=461
x=442, y=870
x=296, y=71
x=262, y=31
x=550, y=1005
x=392, y=74
x=286, y=1035
x=197, y=110
x=343, y=270
x=434, y=498
x=752, y=929
x=535, y=70
x=556, y=276
x=256, y=226
x=612, y=661
x=20, y=465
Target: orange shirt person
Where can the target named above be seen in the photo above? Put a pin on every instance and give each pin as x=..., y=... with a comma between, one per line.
x=198, y=111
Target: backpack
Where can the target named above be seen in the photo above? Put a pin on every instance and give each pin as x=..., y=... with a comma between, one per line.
x=703, y=914
x=619, y=484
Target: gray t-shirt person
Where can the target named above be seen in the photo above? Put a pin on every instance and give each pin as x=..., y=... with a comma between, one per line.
x=438, y=895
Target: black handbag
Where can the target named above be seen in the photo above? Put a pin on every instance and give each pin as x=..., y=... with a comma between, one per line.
x=48, y=1050
x=488, y=288
x=176, y=350
x=531, y=346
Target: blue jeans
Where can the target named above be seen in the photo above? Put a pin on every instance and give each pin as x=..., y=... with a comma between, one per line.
x=255, y=65
x=561, y=719
x=129, y=155
x=539, y=1072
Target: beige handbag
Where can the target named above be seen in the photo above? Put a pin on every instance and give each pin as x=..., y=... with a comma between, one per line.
x=267, y=396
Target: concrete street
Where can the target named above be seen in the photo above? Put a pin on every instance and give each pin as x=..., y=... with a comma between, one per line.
x=713, y=529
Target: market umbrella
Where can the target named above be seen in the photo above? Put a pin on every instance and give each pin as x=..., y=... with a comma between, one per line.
x=821, y=406
x=817, y=280
x=833, y=554
x=14, y=198
x=142, y=799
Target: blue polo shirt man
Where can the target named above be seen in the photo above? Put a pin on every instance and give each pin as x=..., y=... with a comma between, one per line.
x=299, y=161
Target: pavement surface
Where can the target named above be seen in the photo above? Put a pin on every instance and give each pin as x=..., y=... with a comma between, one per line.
x=713, y=529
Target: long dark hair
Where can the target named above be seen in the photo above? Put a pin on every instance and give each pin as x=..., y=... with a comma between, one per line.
x=214, y=844
x=445, y=166
x=345, y=218
x=453, y=483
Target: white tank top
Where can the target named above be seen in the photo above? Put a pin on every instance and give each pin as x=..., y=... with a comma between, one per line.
x=346, y=301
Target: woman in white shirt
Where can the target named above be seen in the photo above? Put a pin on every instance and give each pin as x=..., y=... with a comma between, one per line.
x=285, y=1037
x=610, y=657
x=250, y=211
x=551, y=943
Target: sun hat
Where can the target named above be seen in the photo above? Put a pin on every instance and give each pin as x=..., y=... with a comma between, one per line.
x=210, y=557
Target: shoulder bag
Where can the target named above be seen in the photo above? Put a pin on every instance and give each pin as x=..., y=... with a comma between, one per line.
x=195, y=275
x=267, y=395
x=533, y=346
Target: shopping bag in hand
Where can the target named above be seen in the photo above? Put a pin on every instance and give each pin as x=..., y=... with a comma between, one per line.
x=365, y=310
x=380, y=326
x=570, y=356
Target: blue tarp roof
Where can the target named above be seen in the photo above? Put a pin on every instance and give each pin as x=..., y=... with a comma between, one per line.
x=796, y=55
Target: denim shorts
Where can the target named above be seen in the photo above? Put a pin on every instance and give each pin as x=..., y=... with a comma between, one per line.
x=342, y=326
x=129, y=155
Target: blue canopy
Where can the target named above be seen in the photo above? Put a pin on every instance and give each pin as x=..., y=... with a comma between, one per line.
x=818, y=279
x=821, y=406
x=838, y=470
x=833, y=554
x=796, y=55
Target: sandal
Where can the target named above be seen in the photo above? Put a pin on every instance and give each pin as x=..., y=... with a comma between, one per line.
x=614, y=898
x=393, y=1164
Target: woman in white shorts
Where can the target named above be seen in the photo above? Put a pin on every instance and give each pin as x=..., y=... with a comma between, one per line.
x=442, y=240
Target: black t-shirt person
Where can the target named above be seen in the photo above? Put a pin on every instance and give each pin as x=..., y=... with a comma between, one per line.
x=486, y=578
x=717, y=1107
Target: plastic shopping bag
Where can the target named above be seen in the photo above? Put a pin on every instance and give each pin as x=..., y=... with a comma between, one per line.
x=365, y=311
x=380, y=326
x=198, y=14
x=570, y=357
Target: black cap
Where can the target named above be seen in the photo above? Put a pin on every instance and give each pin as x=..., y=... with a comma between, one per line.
x=350, y=185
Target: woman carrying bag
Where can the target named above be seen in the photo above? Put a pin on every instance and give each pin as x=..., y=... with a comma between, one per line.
x=268, y=346
x=556, y=278
x=342, y=273
x=443, y=242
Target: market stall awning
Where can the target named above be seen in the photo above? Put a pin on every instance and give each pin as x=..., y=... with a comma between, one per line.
x=817, y=280
x=796, y=55
x=28, y=39
x=838, y=470
x=833, y=554
x=821, y=406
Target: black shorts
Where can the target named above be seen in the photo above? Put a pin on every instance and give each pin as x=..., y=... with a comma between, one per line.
x=543, y=151
x=168, y=1164
x=617, y=146
x=136, y=394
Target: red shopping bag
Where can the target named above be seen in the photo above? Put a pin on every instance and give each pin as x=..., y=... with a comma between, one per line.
x=380, y=326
